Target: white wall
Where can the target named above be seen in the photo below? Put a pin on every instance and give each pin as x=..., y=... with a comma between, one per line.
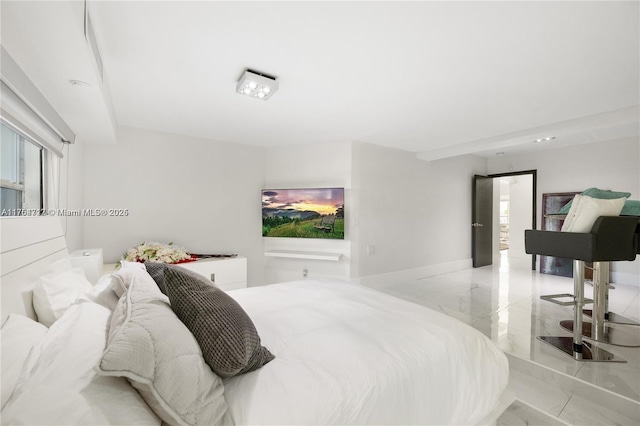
x=415, y=213
x=310, y=166
x=201, y=194
x=611, y=165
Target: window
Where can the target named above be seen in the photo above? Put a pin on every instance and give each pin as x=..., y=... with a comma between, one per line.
x=32, y=135
x=21, y=174
x=504, y=211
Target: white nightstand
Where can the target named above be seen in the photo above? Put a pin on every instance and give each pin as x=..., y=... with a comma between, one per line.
x=90, y=260
x=228, y=273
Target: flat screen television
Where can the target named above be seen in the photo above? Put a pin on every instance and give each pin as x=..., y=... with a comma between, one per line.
x=303, y=213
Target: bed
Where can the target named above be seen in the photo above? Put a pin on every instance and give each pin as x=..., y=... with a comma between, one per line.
x=343, y=354
x=362, y=357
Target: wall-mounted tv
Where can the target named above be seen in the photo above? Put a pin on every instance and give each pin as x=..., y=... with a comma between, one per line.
x=303, y=213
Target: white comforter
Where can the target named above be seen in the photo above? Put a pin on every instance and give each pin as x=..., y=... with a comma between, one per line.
x=346, y=354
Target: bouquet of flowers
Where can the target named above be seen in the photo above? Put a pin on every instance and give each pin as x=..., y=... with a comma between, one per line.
x=157, y=252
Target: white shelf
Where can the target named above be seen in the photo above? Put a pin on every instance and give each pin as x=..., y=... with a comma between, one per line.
x=294, y=254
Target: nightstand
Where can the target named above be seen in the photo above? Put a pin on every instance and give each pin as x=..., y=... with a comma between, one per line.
x=228, y=273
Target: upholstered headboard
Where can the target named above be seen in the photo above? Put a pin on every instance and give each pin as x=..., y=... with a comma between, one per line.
x=28, y=246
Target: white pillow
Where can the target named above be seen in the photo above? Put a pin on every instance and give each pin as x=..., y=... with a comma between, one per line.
x=124, y=264
x=585, y=210
x=64, y=388
x=19, y=335
x=150, y=346
x=103, y=293
x=54, y=293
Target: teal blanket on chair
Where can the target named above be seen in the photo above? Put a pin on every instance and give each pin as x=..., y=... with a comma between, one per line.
x=631, y=207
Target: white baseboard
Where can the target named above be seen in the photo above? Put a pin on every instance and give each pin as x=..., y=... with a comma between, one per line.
x=413, y=274
x=626, y=278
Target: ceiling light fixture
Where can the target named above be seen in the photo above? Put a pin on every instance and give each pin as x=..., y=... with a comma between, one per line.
x=548, y=138
x=257, y=85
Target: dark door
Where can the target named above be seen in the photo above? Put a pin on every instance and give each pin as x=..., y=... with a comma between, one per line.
x=482, y=221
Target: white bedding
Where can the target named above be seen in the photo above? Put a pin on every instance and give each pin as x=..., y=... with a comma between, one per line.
x=346, y=354
x=63, y=388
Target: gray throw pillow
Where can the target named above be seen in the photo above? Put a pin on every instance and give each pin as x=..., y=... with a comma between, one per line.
x=228, y=338
x=156, y=270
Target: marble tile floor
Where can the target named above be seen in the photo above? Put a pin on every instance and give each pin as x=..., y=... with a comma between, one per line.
x=503, y=302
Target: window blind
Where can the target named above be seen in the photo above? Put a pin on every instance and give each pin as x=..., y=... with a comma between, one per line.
x=25, y=110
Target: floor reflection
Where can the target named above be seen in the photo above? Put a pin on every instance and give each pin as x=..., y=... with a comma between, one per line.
x=503, y=302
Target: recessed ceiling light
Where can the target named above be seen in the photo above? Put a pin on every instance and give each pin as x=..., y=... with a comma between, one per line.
x=548, y=138
x=257, y=85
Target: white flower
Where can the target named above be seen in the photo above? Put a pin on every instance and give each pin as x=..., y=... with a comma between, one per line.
x=156, y=252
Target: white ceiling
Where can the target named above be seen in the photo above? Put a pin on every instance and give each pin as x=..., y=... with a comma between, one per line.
x=436, y=78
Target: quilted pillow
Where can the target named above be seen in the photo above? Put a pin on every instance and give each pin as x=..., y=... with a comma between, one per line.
x=228, y=338
x=119, y=281
x=585, y=210
x=152, y=348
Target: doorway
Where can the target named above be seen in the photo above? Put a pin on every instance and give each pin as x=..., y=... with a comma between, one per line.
x=508, y=202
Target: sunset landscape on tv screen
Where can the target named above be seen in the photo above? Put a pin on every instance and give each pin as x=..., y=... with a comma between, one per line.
x=303, y=213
